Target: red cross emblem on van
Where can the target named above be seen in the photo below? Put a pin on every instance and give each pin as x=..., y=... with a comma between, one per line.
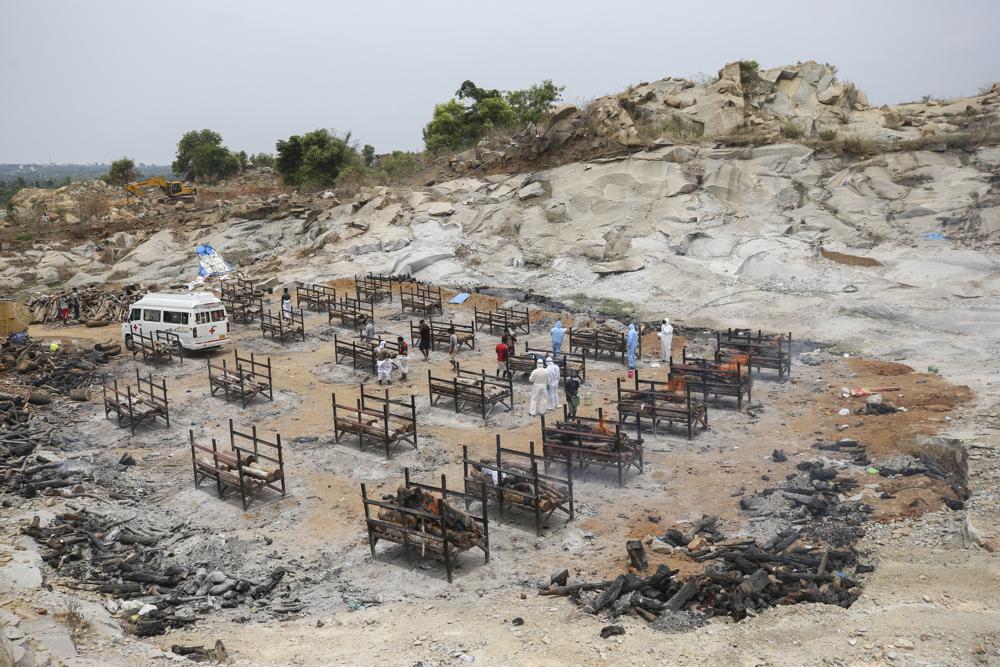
x=212, y=330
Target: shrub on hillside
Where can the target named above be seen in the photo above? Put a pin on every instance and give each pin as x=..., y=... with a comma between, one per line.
x=202, y=157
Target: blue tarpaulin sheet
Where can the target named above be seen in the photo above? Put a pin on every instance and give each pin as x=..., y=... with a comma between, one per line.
x=460, y=298
x=210, y=262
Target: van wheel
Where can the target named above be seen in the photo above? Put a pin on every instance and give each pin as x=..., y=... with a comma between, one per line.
x=128, y=343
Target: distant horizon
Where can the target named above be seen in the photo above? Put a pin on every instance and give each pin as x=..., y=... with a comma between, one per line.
x=257, y=72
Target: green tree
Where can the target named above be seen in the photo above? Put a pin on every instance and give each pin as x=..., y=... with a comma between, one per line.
x=202, y=157
x=530, y=104
x=456, y=124
x=447, y=127
x=121, y=172
x=244, y=160
x=368, y=153
x=262, y=160
x=315, y=158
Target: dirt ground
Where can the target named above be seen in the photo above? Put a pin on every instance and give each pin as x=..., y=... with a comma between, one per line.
x=928, y=602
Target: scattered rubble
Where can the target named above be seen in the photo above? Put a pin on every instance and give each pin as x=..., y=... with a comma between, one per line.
x=125, y=560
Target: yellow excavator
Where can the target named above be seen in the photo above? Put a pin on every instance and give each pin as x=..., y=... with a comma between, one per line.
x=172, y=190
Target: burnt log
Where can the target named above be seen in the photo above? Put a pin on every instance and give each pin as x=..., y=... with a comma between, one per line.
x=683, y=596
x=607, y=596
x=636, y=554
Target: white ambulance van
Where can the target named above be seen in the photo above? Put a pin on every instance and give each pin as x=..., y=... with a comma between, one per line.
x=198, y=318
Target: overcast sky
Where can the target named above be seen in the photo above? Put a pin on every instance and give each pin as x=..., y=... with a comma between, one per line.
x=93, y=80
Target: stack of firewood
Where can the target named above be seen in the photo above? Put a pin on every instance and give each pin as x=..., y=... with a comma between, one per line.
x=622, y=442
x=98, y=305
x=463, y=532
x=519, y=490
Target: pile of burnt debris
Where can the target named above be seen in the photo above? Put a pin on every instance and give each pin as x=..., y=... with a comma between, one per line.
x=812, y=501
x=938, y=458
x=127, y=562
x=29, y=462
x=45, y=369
x=741, y=577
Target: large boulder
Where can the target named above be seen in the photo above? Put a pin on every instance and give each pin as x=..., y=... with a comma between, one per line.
x=614, y=123
x=440, y=208
x=533, y=189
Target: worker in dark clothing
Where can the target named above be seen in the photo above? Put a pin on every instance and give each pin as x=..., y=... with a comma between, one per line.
x=572, y=387
x=425, y=340
x=74, y=300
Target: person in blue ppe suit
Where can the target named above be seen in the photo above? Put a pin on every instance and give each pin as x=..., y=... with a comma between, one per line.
x=633, y=343
x=558, y=333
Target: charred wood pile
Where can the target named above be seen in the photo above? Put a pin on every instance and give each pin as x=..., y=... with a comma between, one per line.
x=741, y=578
x=424, y=516
x=25, y=467
x=811, y=500
x=99, y=306
x=26, y=362
x=125, y=562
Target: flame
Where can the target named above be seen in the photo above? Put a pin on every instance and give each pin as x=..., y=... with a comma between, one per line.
x=676, y=385
x=602, y=427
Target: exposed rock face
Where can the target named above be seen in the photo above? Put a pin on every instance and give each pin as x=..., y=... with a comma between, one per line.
x=742, y=97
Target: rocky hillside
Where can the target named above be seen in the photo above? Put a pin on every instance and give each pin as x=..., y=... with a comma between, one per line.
x=745, y=105
x=674, y=225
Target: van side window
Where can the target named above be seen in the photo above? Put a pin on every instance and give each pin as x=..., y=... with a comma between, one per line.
x=136, y=315
x=218, y=315
x=173, y=317
x=202, y=318
x=150, y=315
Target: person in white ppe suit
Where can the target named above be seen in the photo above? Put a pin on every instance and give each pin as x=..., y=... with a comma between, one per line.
x=666, y=335
x=553, y=385
x=539, y=379
x=383, y=364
